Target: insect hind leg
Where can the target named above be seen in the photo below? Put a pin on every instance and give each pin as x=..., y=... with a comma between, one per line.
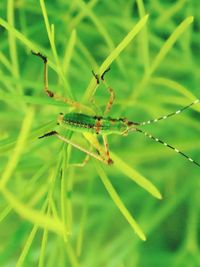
x=44, y=59
x=46, y=86
x=68, y=141
x=83, y=163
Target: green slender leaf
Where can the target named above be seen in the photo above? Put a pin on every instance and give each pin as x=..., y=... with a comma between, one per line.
x=135, y=176
x=117, y=200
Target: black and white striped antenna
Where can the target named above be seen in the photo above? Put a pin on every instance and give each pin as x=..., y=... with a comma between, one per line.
x=160, y=141
x=169, y=115
x=167, y=145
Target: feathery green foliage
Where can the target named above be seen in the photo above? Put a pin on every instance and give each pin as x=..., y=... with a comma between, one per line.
x=53, y=212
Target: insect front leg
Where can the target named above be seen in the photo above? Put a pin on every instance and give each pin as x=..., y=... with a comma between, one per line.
x=109, y=89
x=111, y=92
x=96, y=107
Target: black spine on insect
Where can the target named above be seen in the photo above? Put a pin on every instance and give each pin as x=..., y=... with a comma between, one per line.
x=48, y=134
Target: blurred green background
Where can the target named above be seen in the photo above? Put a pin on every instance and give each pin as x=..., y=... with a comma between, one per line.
x=42, y=194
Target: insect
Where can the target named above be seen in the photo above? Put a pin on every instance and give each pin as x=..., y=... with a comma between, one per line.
x=101, y=125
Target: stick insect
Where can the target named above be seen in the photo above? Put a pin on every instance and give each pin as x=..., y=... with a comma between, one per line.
x=101, y=125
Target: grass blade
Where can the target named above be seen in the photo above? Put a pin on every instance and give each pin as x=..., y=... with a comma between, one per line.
x=33, y=216
x=21, y=142
x=135, y=176
x=170, y=42
x=115, y=197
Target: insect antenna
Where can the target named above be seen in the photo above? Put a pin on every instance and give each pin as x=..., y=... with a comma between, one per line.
x=167, y=145
x=170, y=114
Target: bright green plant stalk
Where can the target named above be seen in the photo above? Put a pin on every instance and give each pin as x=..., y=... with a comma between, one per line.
x=33, y=216
x=44, y=244
x=21, y=142
x=29, y=241
x=12, y=44
x=176, y=87
x=69, y=52
x=136, y=176
x=144, y=51
x=84, y=219
x=121, y=165
x=161, y=55
x=115, y=197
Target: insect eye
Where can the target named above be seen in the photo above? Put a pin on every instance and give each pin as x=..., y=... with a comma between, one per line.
x=61, y=113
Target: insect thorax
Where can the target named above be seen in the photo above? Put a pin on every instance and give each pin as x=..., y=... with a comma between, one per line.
x=94, y=124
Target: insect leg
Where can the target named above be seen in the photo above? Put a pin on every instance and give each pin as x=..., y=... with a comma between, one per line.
x=110, y=101
x=46, y=87
x=170, y=114
x=105, y=141
x=64, y=139
x=110, y=90
x=96, y=108
x=96, y=76
x=167, y=145
x=100, y=150
x=82, y=164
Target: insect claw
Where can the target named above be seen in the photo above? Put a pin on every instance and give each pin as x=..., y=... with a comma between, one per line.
x=103, y=74
x=38, y=54
x=96, y=76
x=110, y=161
x=49, y=93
